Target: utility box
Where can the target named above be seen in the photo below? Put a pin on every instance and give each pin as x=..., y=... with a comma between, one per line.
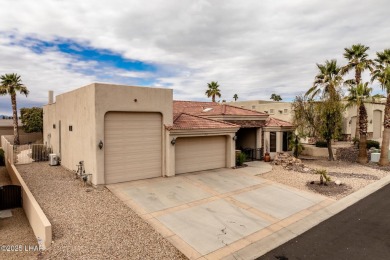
x=375, y=157
x=53, y=159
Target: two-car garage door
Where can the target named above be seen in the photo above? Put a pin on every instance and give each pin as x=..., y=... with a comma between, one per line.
x=133, y=146
x=200, y=153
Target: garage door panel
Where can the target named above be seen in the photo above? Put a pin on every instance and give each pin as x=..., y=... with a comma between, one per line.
x=133, y=146
x=200, y=153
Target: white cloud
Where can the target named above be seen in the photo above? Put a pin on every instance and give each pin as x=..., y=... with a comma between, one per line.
x=252, y=48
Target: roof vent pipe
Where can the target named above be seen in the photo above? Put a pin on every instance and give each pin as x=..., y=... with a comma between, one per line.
x=51, y=96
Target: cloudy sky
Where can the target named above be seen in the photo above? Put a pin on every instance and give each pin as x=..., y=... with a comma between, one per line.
x=252, y=48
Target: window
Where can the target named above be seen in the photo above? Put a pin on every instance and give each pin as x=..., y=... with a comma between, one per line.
x=286, y=141
x=271, y=111
x=272, y=142
x=253, y=107
x=285, y=111
x=280, y=111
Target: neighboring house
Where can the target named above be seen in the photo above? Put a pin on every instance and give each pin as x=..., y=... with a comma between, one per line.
x=7, y=128
x=283, y=111
x=143, y=133
x=375, y=117
x=276, y=109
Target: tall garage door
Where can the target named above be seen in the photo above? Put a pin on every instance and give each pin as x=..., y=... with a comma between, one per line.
x=200, y=153
x=132, y=149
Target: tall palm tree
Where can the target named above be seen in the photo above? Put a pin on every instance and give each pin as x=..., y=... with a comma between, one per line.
x=213, y=90
x=327, y=81
x=327, y=86
x=357, y=95
x=10, y=84
x=359, y=62
x=382, y=74
x=235, y=97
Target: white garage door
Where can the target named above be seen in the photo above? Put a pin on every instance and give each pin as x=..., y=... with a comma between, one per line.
x=132, y=149
x=200, y=153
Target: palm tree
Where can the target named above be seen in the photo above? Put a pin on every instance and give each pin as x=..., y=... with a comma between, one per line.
x=327, y=81
x=382, y=74
x=327, y=86
x=356, y=97
x=357, y=61
x=10, y=84
x=213, y=90
x=235, y=97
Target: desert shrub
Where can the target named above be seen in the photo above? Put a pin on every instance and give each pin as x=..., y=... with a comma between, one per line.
x=321, y=144
x=2, y=161
x=323, y=175
x=240, y=159
x=372, y=143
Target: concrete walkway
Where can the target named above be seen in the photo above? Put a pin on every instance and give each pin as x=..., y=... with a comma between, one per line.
x=218, y=213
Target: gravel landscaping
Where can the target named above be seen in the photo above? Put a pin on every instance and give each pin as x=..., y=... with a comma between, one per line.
x=16, y=230
x=353, y=176
x=91, y=224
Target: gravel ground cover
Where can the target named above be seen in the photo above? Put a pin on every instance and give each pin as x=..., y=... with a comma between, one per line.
x=16, y=231
x=91, y=224
x=353, y=175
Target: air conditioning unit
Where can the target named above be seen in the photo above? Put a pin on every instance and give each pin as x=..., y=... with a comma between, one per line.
x=53, y=159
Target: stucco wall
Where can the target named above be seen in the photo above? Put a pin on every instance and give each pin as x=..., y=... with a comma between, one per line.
x=352, y=111
x=23, y=137
x=77, y=109
x=84, y=109
x=263, y=105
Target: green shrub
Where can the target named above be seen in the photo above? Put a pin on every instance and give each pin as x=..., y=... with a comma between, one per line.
x=2, y=161
x=240, y=159
x=323, y=176
x=321, y=144
x=372, y=143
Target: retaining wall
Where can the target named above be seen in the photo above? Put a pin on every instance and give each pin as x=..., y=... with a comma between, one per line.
x=38, y=221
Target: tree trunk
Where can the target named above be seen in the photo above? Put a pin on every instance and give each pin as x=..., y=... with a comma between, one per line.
x=357, y=122
x=386, y=134
x=358, y=76
x=330, y=152
x=383, y=160
x=363, y=134
x=213, y=98
x=363, y=149
x=15, y=120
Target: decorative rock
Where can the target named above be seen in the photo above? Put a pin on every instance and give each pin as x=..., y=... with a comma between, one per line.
x=289, y=162
x=337, y=182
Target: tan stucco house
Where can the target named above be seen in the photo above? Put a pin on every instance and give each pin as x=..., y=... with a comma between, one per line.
x=125, y=133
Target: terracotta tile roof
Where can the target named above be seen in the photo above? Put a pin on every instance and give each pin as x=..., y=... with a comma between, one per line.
x=187, y=121
x=211, y=109
x=276, y=122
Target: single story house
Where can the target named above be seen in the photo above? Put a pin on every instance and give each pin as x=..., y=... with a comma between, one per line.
x=125, y=133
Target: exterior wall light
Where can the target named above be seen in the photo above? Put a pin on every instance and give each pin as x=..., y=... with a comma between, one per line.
x=350, y=121
x=371, y=121
x=173, y=141
x=235, y=138
x=100, y=145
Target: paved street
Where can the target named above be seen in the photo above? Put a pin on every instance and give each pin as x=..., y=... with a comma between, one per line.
x=361, y=231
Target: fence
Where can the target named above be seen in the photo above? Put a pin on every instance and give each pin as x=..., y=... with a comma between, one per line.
x=28, y=153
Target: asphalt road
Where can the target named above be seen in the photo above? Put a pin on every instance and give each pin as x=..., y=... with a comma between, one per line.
x=361, y=231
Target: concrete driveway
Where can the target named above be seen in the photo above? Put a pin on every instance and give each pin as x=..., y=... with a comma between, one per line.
x=212, y=214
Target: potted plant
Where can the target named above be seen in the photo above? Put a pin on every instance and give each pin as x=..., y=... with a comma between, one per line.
x=267, y=156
